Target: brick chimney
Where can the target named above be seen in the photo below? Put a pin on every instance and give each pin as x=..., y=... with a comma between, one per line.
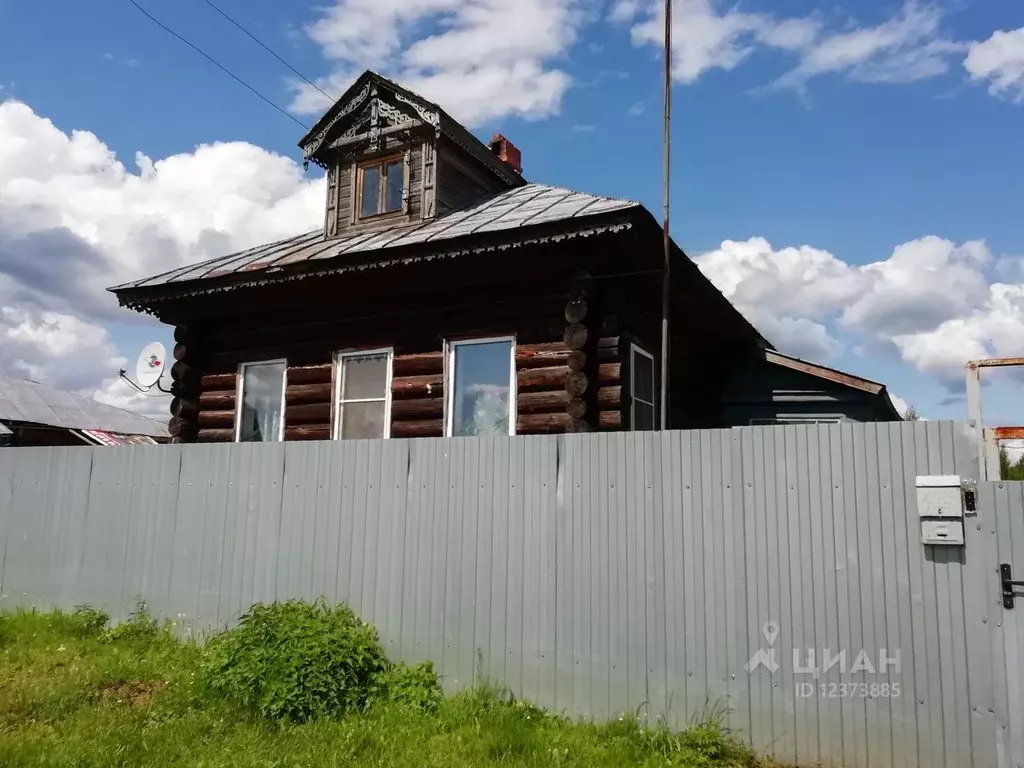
x=507, y=152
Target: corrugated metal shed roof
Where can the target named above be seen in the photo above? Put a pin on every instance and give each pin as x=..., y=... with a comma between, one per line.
x=824, y=372
x=514, y=209
x=35, y=403
x=112, y=438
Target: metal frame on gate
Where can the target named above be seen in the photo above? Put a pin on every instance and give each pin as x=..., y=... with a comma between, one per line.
x=988, y=444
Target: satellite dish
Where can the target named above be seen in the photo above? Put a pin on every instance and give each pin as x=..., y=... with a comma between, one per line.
x=150, y=366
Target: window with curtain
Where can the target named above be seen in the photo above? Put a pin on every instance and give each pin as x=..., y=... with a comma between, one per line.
x=482, y=396
x=364, y=394
x=641, y=388
x=261, y=402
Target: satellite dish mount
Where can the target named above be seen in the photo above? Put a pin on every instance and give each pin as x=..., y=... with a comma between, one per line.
x=149, y=369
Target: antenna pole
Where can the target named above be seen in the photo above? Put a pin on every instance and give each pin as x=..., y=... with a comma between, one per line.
x=666, y=172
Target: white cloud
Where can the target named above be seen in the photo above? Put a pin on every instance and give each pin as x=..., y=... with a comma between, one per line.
x=995, y=328
x=61, y=349
x=74, y=220
x=784, y=293
x=932, y=299
x=1000, y=61
x=905, y=48
x=481, y=59
x=113, y=391
x=637, y=109
x=708, y=34
x=703, y=37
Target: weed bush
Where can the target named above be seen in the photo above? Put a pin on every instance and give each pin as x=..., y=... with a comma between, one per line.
x=297, y=661
x=140, y=626
x=409, y=686
x=87, y=621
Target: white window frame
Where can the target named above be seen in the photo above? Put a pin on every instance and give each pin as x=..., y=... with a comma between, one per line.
x=449, y=379
x=778, y=421
x=336, y=409
x=239, y=392
x=633, y=349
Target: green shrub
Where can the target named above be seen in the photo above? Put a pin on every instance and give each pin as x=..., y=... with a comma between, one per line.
x=87, y=621
x=140, y=626
x=410, y=686
x=296, y=661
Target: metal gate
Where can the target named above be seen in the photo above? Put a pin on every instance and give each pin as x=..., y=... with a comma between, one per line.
x=1001, y=507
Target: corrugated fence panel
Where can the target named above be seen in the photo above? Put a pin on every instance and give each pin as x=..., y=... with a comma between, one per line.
x=1007, y=500
x=772, y=573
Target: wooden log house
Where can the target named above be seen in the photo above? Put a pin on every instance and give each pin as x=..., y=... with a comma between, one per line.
x=444, y=295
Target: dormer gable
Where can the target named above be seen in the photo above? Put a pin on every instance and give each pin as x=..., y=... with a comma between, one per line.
x=394, y=159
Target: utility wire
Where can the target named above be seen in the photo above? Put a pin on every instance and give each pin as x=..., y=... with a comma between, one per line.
x=269, y=50
x=216, y=63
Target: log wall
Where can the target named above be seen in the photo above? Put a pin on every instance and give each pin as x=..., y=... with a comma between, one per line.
x=568, y=366
x=551, y=394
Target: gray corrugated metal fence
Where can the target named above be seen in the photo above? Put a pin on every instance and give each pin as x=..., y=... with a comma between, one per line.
x=593, y=574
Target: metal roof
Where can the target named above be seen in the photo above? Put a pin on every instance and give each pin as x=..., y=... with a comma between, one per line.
x=838, y=377
x=518, y=209
x=99, y=437
x=830, y=374
x=29, y=401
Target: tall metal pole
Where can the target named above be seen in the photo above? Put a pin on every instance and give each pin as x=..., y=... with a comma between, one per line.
x=666, y=172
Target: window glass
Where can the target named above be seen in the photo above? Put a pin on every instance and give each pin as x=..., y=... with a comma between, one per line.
x=482, y=386
x=369, y=197
x=395, y=181
x=642, y=390
x=643, y=416
x=262, y=402
x=362, y=421
x=362, y=406
x=364, y=376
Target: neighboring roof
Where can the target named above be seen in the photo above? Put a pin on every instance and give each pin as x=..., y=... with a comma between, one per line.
x=4, y=430
x=100, y=437
x=831, y=374
x=27, y=401
x=356, y=95
x=516, y=211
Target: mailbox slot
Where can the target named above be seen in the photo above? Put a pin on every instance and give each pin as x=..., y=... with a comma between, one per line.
x=942, y=532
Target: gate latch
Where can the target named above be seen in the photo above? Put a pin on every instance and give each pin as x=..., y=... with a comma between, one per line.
x=1006, y=575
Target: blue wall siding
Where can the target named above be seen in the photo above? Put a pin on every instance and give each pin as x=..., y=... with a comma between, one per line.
x=761, y=390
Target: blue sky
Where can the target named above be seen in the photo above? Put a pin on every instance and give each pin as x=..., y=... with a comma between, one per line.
x=839, y=134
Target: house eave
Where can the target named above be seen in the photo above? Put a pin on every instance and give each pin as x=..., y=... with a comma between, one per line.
x=148, y=300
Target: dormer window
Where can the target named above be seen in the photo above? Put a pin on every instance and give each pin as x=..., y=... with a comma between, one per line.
x=381, y=186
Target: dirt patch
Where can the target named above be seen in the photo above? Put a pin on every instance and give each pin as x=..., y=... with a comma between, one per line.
x=138, y=693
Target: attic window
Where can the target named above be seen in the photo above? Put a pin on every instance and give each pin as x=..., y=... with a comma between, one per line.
x=381, y=186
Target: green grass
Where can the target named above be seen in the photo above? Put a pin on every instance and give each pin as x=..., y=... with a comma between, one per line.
x=74, y=694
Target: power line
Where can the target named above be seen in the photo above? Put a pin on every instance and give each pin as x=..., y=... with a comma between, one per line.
x=268, y=49
x=216, y=63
